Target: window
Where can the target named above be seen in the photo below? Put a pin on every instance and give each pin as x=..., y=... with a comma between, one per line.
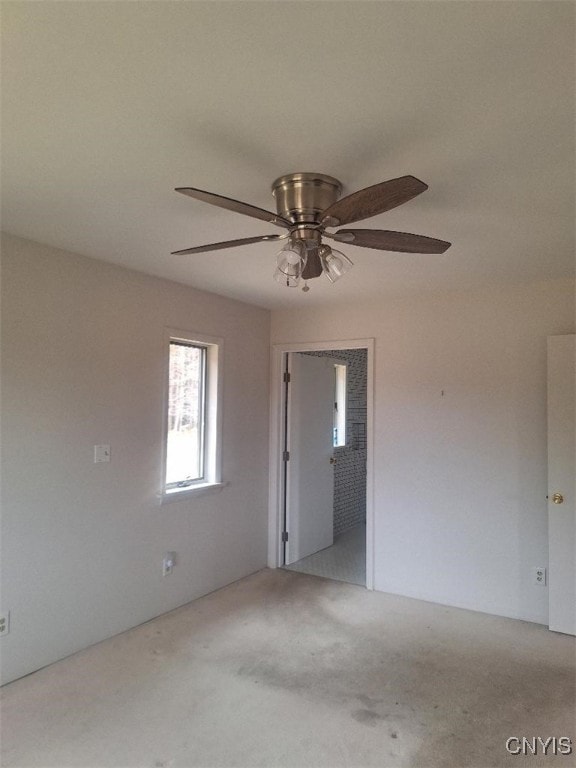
x=186, y=414
x=192, y=449
x=340, y=405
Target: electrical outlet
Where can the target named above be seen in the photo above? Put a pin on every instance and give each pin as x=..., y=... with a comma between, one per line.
x=168, y=563
x=4, y=624
x=540, y=576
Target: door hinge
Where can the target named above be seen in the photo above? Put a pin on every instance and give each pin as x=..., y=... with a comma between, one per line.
x=284, y=536
x=286, y=377
x=286, y=456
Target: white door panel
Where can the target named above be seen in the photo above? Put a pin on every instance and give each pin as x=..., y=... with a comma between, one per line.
x=310, y=475
x=561, y=480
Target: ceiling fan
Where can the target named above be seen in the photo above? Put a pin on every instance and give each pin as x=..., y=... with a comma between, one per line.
x=307, y=204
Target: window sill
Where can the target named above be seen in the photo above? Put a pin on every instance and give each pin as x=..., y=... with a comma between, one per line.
x=181, y=494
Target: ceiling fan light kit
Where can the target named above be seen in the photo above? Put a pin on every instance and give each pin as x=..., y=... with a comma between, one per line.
x=334, y=263
x=306, y=205
x=291, y=262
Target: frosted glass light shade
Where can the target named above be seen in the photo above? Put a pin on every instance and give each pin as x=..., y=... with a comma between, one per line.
x=334, y=263
x=291, y=260
x=289, y=281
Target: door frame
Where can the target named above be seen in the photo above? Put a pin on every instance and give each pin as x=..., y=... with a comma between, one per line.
x=276, y=482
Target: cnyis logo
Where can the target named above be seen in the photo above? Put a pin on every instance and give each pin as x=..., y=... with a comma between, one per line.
x=537, y=745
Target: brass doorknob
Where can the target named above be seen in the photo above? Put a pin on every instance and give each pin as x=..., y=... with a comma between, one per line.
x=332, y=460
x=557, y=498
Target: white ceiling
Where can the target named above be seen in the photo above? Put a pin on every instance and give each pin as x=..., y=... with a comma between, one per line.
x=107, y=106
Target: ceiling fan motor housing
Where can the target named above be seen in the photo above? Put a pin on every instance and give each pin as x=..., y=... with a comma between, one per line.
x=302, y=197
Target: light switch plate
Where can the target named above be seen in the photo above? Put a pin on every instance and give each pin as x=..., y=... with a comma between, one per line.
x=101, y=453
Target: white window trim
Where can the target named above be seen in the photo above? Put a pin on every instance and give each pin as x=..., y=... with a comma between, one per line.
x=212, y=480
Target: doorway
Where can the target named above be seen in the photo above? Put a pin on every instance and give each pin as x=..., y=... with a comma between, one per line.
x=320, y=511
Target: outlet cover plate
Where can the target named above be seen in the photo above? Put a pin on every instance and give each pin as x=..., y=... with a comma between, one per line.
x=4, y=624
x=540, y=576
x=168, y=563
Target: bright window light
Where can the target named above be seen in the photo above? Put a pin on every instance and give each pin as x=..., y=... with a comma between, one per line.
x=340, y=406
x=192, y=456
x=185, y=448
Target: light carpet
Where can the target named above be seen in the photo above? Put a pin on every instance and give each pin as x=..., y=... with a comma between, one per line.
x=284, y=669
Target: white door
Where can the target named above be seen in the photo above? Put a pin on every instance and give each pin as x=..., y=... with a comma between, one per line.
x=310, y=474
x=561, y=483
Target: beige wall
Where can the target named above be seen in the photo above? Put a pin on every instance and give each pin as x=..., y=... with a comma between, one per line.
x=460, y=478
x=82, y=364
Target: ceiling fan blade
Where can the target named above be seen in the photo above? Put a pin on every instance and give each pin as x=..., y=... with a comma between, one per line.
x=385, y=240
x=227, y=244
x=234, y=205
x=372, y=201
